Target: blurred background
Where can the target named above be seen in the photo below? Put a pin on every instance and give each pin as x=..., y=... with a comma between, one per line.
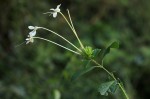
x=42, y=70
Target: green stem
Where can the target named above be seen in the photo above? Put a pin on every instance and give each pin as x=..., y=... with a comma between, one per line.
x=125, y=93
x=121, y=87
x=61, y=37
x=70, y=19
x=72, y=28
x=56, y=44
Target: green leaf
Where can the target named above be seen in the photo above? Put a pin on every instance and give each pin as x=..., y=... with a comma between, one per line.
x=114, y=87
x=114, y=45
x=86, y=63
x=96, y=52
x=81, y=72
x=105, y=51
x=106, y=87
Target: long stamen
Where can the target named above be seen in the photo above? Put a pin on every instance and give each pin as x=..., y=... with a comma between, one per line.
x=47, y=13
x=57, y=44
x=20, y=44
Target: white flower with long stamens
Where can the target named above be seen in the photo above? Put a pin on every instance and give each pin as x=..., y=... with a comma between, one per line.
x=54, y=11
x=31, y=34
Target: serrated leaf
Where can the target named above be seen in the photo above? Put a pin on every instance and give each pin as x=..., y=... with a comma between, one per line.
x=106, y=87
x=96, y=52
x=81, y=72
x=105, y=51
x=114, y=87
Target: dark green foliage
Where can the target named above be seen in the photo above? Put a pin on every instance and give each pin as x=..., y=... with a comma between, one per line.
x=105, y=51
x=106, y=87
x=86, y=63
x=113, y=87
x=96, y=52
x=88, y=54
x=81, y=72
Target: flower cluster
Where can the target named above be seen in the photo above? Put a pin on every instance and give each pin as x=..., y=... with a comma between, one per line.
x=31, y=34
x=34, y=28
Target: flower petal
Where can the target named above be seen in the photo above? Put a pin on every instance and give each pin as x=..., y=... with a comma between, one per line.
x=58, y=9
x=54, y=14
x=27, y=39
x=58, y=6
x=27, y=42
x=32, y=33
x=47, y=13
x=31, y=27
x=52, y=9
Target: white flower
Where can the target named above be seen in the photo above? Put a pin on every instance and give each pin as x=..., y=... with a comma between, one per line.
x=29, y=39
x=31, y=34
x=54, y=11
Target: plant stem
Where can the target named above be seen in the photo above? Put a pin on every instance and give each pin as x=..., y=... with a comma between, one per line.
x=72, y=28
x=70, y=19
x=120, y=85
x=61, y=37
x=57, y=44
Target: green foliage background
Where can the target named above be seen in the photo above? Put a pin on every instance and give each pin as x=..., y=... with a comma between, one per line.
x=42, y=70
